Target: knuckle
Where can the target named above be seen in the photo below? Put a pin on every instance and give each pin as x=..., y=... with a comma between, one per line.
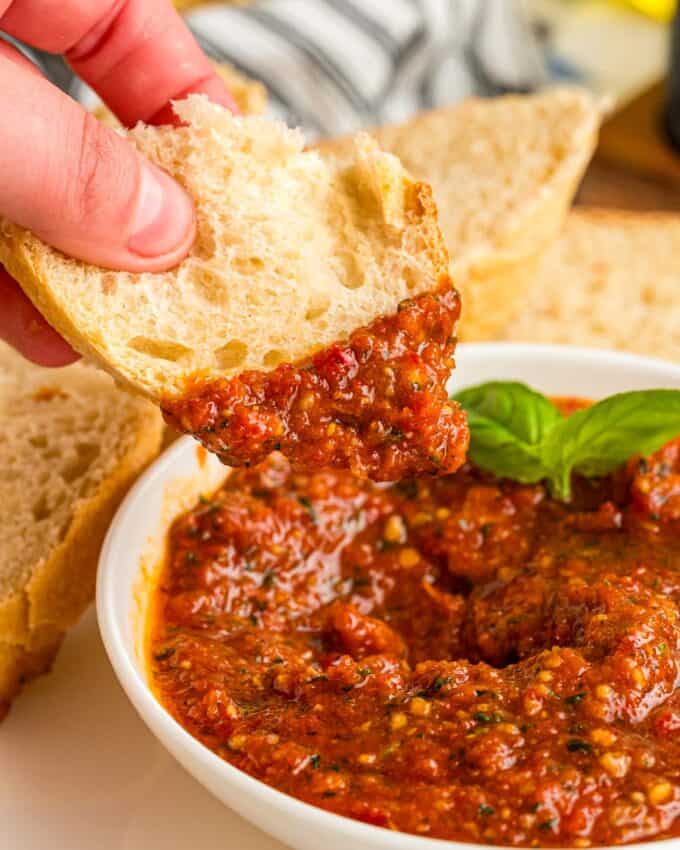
x=94, y=156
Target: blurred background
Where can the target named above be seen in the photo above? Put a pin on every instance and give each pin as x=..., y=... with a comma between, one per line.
x=333, y=66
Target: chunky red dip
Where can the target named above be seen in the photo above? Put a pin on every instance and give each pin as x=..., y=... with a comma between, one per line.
x=376, y=404
x=458, y=657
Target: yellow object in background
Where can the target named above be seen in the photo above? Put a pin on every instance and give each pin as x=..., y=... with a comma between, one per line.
x=660, y=10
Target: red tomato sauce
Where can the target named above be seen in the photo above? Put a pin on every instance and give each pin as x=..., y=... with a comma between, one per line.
x=457, y=657
x=376, y=404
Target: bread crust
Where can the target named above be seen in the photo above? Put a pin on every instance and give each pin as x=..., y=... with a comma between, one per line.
x=610, y=280
x=36, y=611
x=62, y=588
x=20, y=663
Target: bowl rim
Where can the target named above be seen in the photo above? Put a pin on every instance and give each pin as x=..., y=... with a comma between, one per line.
x=176, y=738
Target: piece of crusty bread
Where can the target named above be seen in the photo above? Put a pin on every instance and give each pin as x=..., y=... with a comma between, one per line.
x=294, y=251
x=249, y=95
x=503, y=172
x=72, y=445
x=612, y=280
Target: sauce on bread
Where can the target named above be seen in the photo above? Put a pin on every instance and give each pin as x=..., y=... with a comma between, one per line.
x=376, y=404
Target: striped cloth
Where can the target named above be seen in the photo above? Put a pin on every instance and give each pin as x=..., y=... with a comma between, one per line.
x=333, y=66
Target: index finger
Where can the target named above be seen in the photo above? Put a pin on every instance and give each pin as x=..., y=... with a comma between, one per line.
x=138, y=55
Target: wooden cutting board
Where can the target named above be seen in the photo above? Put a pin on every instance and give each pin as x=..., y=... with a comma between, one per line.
x=634, y=166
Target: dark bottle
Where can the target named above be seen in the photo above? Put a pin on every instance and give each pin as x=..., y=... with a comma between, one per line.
x=673, y=86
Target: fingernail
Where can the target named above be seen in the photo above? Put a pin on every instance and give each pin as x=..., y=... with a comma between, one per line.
x=164, y=218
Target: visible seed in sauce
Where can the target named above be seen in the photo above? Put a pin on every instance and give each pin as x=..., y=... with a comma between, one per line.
x=398, y=720
x=395, y=529
x=603, y=737
x=660, y=793
x=237, y=742
x=419, y=707
x=616, y=764
x=409, y=557
x=604, y=692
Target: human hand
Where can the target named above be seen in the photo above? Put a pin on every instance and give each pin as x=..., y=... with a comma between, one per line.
x=73, y=182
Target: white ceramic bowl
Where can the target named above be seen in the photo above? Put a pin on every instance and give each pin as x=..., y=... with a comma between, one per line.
x=134, y=547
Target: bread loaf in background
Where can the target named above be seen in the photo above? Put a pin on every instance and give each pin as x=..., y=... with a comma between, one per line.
x=612, y=280
x=72, y=445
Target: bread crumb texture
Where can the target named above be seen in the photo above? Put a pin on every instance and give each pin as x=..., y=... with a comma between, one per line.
x=294, y=250
x=611, y=280
x=72, y=445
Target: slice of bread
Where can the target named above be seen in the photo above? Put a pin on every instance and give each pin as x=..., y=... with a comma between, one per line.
x=250, y=95
x=294, y=251
x=503, y=172
x=611, y=280
x=72, y=445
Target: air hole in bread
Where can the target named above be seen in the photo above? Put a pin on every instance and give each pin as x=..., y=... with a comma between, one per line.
x=318, y=305
x=85, y=456
x=273, y=357
x=205, y=246
x=350, y=271
x=38, y=441
x=40, y=509
x=108, y=283
x=159, y=348
x=411, y=277
x=90, y=418
x=213, y=285
x=649, y=295
x=48, y=394
x=253, y=263
x=65, y=423
x=231, y=355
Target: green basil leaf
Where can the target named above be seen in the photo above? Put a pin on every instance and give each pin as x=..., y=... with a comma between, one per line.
x=498, y=450
x=521, y=411
x=508, y=422
x=598, y=439
x=518, y=433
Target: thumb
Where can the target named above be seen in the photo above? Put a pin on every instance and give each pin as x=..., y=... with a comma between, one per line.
x=80, y=186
